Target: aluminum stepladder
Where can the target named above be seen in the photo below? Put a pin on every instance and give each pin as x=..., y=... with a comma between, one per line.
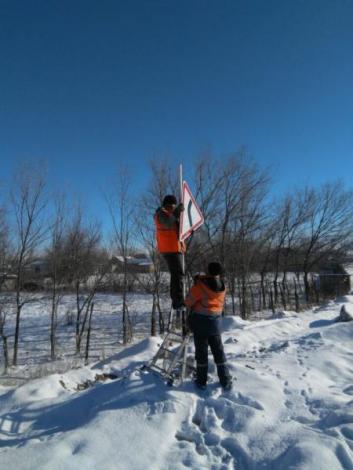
x=171, y=360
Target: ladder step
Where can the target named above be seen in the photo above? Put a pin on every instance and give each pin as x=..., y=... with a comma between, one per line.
x=173, y=340
x=170, y=351
x=175, y=333
x=173, y=352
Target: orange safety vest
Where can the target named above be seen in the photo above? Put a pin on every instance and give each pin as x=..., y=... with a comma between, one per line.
x=168, y=237
x=202, y=299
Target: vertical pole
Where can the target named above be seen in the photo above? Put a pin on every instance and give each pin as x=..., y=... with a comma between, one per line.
x=181, y=200
x=183, y=319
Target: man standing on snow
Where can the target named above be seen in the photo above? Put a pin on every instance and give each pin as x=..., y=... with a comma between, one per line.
x=166, y=220
x=205, y=302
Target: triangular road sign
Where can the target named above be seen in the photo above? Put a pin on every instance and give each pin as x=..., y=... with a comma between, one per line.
x=191, y=218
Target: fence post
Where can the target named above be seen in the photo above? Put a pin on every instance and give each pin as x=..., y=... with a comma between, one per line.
x=297, y=306
x=288, y=294
x=272, y=305
x=283, y=296
x=6, y=354
x=253, y=307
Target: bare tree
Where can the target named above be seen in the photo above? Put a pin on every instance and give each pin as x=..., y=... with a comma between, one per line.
x=29, y=203
x=163, y=181
x=4, y=246
x=288, y=217
x=328, y=226
x=231, y=196
x=89, y=329
x=121, y=210
x=4, y=300
x=247, y=220
x=4, y=337
x=151, y=282
x=56, y=259
x=264, y=253
x=208, y=182
x=83, y=266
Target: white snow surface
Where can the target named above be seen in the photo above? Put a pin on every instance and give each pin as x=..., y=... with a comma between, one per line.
x=291, y=406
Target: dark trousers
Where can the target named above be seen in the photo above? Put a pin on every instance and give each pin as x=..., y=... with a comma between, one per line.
x=175, y=266
x=201, y=356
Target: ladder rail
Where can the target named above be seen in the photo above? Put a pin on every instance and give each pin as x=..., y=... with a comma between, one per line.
x=173, y=350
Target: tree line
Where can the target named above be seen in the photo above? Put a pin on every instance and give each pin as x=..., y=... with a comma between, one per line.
x=257, y=235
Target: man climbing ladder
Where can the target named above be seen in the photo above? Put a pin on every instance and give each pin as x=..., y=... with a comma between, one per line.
x=166, y=220
x=173, y=227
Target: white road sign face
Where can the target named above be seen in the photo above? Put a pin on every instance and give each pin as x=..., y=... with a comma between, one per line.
x=191, y=218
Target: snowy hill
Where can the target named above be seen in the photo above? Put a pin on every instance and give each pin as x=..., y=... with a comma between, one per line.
x=291, y=406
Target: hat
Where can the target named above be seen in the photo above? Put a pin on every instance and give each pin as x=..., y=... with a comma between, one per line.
x=215, y=269
x=169, y=200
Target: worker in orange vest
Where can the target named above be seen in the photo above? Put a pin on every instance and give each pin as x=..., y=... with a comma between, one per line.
x=166, y=221
x=205, y=301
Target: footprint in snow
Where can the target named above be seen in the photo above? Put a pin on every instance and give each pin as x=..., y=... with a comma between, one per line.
x=241, y=399
x=347, y=432
x=206, y=426
x=160, y=407
x=348, y=390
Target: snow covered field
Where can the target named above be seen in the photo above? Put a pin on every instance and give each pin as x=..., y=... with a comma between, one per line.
x=106, y=336
x=291, y=406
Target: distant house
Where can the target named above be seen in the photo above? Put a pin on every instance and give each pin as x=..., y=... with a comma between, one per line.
x=8, y=282
x=334, y=279
x=37, y=268
x=34, y=274
x=138, y=263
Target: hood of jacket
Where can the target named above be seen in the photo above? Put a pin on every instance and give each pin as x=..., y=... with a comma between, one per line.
x=212, y=284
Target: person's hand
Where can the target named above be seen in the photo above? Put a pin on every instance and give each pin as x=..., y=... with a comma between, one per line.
x=181, y=207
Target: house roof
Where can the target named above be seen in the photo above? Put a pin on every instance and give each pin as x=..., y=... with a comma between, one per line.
x=132, y=260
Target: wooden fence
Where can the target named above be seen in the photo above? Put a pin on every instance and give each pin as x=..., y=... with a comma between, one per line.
x=256, y=297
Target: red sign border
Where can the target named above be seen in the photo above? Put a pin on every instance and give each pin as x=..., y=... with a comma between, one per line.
x=198, y=224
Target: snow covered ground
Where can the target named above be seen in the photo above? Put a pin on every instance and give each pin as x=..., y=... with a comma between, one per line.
x=291, y=406
x=106, y=335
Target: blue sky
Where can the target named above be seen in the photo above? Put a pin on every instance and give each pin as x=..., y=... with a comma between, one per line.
x=86, y=85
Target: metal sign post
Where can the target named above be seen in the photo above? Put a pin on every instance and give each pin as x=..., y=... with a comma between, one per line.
x=181, y=200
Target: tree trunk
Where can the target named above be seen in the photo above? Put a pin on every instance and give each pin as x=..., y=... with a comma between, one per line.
x=160, y=316
x=89, y=332
x=6, y=353
x=153, y=316
x=307, y=287
x=244, y=303
x=17, y=334
x=297, y=304
x=53, y=322
x=283, y=295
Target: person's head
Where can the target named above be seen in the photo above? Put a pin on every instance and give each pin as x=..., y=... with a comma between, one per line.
x=214, y=269
x=169, y=202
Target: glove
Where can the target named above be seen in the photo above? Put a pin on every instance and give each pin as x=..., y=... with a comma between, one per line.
x=181, y=207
